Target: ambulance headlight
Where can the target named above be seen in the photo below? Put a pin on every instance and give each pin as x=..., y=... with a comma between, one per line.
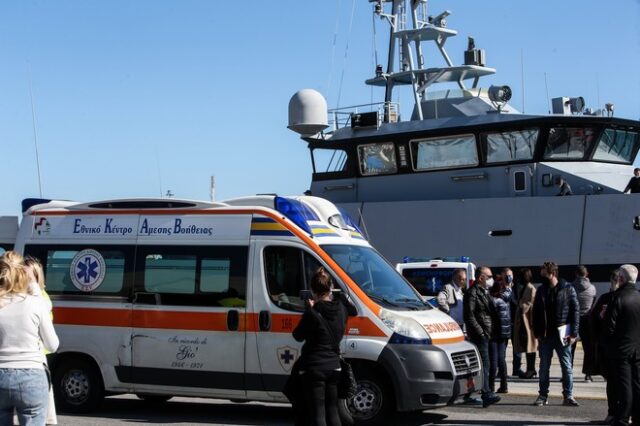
x=404, y=328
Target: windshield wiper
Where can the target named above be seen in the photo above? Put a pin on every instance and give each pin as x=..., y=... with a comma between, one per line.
x=383, y=300
x=409, y=300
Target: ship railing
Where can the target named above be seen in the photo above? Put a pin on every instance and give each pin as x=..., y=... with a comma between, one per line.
x=387, y=112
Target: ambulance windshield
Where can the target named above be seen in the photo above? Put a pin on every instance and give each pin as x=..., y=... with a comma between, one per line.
x=375, y=276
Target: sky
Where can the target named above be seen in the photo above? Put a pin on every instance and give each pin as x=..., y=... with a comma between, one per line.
x=137, y=98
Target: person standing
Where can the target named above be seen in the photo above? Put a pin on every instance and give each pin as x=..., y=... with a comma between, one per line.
x=523, y=339
x=477, y=309
x=622, y=331
x=37, y=288
x=555, y=306
x=321, y=328
x=501, y=331
x=450, y=297
x=586, y=297
x=634, y=183
x=599, y=356
x=24, y=323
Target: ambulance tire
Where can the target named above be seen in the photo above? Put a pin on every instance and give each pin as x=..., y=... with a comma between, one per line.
x=373, y=402
x=77, y=385
x=152, y=398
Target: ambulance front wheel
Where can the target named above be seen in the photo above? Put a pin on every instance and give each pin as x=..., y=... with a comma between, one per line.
x=77, y=385
x=372, y=403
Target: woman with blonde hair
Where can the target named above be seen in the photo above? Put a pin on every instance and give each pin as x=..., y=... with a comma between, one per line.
x=25, y=321
x=37, y=288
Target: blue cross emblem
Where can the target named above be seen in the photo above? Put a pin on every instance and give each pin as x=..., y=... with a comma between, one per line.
x=86, y=270
x=286, y=356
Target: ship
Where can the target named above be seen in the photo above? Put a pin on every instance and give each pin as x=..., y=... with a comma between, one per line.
x=467, y=173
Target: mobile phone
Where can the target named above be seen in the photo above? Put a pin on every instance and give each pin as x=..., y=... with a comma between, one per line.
x=305, y=295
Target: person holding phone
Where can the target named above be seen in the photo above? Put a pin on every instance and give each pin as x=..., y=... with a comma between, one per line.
x=321, y=328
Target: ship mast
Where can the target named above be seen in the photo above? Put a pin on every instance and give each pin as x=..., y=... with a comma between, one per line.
x=408, y=41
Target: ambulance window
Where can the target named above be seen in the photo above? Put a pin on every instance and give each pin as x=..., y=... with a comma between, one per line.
x=287, y=271
x=170, y=273
x=58, y=275
x=195, y=276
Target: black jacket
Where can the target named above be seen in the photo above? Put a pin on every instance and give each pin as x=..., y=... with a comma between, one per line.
x=501, y=318
x=567, y=309
x=622, y=323
x=321, y=349
x=477, y=311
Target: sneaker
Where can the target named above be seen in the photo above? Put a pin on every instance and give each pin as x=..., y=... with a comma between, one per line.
x=540, y=401
x=520, y=374
x=468, y=400
x=571, y=402
x=608, y=420
x=502, y=389
x=490, y=400
x=588, y=378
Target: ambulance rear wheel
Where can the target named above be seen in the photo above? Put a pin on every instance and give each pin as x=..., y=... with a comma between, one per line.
x=77, y=385
x=372, y=403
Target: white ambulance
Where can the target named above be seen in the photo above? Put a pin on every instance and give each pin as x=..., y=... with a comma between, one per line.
x=164, y=297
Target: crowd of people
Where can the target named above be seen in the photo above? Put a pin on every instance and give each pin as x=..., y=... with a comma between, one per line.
x=547, y=318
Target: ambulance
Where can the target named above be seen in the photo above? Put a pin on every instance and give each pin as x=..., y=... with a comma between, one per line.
x=166, y=297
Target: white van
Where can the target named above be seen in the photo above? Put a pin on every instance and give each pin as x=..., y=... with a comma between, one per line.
x=429, y=276
x=163, y=297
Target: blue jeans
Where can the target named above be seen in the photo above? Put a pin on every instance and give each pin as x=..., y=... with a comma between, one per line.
x=26, y=390
x=483, y=348
x=497, y=354
x=546, y=348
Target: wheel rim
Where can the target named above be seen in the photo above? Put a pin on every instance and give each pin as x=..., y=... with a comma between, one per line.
x=367, y=401
x=76, y=387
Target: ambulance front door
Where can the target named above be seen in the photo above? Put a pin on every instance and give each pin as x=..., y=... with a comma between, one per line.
x=279, y=272
x=189, y=320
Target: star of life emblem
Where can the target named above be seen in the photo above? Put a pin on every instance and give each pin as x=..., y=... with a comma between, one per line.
x=87, y=270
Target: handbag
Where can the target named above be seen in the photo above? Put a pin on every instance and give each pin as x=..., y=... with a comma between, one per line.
x=293, y=386
x=347, y=385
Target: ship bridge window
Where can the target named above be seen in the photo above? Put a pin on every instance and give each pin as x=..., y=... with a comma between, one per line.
x=329, y=160
x=377, y=159
x=619, y=146
x=569, y=143
x=502, y=147
x=444, y=152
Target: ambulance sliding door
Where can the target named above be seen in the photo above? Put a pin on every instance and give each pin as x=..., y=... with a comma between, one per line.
x=188, y=314
x=280, y=270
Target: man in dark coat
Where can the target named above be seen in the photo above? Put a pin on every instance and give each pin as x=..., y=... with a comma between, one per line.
x=622, y=329
x=555, y=306
x=477, y=319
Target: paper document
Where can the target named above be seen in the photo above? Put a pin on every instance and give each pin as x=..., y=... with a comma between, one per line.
x=564, y=332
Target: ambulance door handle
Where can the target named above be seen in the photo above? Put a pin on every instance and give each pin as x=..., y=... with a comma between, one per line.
x=264, y=320
x=232, y=320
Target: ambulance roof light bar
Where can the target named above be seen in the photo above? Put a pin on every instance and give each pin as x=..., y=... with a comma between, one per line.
x=296, y=212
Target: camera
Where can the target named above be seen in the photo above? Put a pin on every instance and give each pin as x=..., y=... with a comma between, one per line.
x=305, y=295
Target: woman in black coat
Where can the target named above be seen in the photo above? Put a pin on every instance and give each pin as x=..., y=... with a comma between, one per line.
x=321, y=328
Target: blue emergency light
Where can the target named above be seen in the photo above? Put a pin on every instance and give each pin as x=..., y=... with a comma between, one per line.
x=296, y=212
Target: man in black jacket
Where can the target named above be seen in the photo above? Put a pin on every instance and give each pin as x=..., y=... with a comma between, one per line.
x=477, y=319
x=622, y=329
x=555, y=305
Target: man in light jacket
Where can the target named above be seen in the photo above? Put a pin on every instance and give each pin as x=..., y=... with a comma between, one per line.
x=450, y=297
x=586, y=298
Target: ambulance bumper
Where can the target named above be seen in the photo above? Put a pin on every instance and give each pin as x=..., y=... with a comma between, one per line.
x=424, y=377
